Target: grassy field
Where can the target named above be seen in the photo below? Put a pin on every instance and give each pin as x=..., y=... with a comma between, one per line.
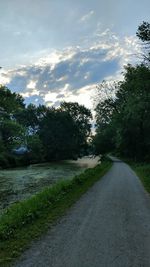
x=143, y=171
x=26, y=220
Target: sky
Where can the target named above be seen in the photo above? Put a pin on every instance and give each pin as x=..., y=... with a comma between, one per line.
x=53, y=51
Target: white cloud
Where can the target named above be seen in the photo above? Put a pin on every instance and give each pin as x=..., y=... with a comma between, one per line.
x=87, y=16
x=4, y=78
x=30, y=93
x=72, y=74
x=31, y=84
x=50, y=97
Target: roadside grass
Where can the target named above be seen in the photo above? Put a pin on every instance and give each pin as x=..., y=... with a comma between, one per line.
x=28, y=219
x=143, y=172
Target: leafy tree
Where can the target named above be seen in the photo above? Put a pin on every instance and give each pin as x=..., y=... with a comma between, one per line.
x=123, y=122
x=57, y=134
x=122, y=119
x=10, y=131
x=103, y=141
x=81, y=117
x=143, y=31
x=9, y=102
x=28, y=118
x=12, y=134
x=48, y=133
x=36, y=149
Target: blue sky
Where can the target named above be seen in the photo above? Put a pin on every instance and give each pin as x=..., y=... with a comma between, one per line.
x=54, y=50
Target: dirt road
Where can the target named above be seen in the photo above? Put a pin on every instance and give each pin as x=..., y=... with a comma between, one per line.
x=108, y=227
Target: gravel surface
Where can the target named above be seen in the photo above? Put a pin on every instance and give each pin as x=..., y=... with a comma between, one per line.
x=109, y=226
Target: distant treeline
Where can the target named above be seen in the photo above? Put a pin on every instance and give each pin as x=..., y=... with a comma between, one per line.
x=123, y=109
x=30, y=134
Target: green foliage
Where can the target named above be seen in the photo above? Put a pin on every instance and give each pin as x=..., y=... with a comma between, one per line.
x=36, y=149
x=9, y=102
x=12, y=133
x=3, y=161
x=143, y=31
x=48, y=133
x=122, y=118
x=28, y=117
x=8, y=160
x=103, y=140
x=64, y=131
x=2, y=147
x=143, y=171
x=81, y=117
x=123, y=122
x=57, y=133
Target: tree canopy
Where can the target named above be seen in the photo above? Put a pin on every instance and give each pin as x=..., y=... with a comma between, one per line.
x=47, y=133
x=143, y=31
x=123, y=120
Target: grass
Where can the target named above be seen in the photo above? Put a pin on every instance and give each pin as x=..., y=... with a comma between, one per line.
x=27, y=220
x=143, y=171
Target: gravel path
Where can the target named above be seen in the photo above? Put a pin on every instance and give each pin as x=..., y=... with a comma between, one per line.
x=109, y=227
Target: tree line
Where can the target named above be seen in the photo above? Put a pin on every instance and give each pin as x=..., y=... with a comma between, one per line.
x=31, y=134
x=40, y=133
x=123, y=109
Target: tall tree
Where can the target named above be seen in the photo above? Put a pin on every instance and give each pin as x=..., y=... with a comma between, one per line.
x=81, y=117
x=57, y=132
x=123, y=122
x=10, y=131
x=9, y=102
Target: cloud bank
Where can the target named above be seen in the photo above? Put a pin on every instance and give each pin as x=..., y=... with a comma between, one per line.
x=71, y=74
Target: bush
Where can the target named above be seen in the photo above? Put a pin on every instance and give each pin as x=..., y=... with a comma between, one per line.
x=4, y=161
x=12, y=160
x=143, y=171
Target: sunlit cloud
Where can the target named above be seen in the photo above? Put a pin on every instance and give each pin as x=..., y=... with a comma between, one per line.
x=87, y=16
x=71, y=74
x=4, y=78
x=31, y=84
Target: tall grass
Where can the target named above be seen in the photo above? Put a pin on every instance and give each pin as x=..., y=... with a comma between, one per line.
x=143, y=171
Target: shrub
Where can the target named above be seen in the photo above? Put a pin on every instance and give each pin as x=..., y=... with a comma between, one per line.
x=3, y=161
